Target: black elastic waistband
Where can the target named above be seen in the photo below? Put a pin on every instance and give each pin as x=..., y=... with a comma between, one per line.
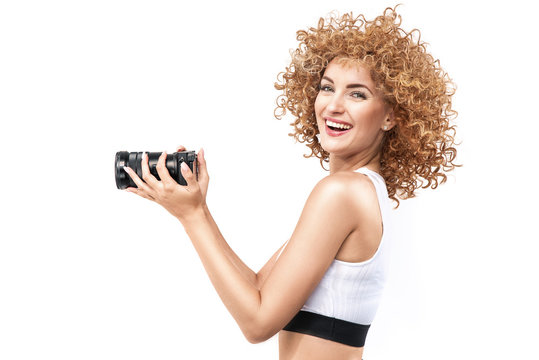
x=341, y=331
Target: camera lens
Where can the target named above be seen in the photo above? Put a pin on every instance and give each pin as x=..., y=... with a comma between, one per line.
x=134, y=160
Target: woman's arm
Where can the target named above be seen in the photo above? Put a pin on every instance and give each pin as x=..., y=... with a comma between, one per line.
x=329, y=215
x=239, y=295
x=257, y=279
x=249, y=274
x=169, y=194
x=333, y=210
x=264, y=272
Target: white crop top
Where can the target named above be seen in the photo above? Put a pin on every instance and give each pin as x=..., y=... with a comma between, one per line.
x=352, y=291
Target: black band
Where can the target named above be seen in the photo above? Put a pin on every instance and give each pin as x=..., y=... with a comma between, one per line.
x=341, y=331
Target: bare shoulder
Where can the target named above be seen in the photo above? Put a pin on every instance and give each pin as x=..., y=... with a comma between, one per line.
x=355, y=189
x=364, y=210
x=349, y=196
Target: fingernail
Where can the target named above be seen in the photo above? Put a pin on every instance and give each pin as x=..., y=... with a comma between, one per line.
x=125, y=168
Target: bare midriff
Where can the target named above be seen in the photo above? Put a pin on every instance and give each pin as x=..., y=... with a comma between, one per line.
x=297, y=346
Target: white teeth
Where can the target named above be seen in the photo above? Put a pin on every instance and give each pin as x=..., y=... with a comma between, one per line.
x=337, y=125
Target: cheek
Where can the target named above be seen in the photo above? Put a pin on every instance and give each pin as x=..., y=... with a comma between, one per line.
x=369, y=117
x=317, y=105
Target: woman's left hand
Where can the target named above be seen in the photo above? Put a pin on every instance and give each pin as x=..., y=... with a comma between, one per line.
x=180, y=201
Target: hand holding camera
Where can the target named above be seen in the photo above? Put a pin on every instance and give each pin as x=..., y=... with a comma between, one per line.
x=179, y=183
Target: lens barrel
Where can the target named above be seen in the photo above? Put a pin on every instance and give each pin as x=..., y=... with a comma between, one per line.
x=134, y=160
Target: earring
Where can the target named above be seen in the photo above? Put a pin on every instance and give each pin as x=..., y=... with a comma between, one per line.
x=385, y=127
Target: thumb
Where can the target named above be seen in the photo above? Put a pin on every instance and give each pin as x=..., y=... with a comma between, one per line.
x=187, y=173
x=202, y=169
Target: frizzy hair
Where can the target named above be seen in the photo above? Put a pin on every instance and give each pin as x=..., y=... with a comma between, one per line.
x=421, y=146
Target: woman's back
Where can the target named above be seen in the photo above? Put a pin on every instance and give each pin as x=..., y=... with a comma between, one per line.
x=335, y=319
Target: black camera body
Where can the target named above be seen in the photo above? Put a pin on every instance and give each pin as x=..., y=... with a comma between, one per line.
x=134, y=159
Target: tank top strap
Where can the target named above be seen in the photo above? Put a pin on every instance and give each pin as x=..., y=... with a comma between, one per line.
x=381, y=189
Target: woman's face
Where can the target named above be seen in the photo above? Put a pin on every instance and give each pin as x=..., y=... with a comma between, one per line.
x=348, y=96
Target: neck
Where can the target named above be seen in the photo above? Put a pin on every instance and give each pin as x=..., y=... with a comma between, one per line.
x=369, y=160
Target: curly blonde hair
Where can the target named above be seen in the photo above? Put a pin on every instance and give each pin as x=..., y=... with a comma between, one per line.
x=420, y=148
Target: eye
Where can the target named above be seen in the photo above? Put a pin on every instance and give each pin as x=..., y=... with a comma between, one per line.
x=325, y=88
x=358, y=95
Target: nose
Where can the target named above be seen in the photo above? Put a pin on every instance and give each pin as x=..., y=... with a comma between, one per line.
x=336, y=104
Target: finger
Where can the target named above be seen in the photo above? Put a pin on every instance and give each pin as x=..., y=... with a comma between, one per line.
x=140, y=184
x=146, y=174
x=188, y=174
x=202, y=169
x=180, y=148
x=162, y=170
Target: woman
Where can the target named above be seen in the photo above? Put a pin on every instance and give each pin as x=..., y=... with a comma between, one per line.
x=370, y=101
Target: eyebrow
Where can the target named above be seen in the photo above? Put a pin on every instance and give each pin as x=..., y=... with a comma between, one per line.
x=349, y=86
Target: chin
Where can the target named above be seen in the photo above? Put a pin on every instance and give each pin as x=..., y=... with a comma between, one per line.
x=332, y=149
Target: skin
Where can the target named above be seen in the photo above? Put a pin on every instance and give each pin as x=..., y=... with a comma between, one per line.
x=334, y=223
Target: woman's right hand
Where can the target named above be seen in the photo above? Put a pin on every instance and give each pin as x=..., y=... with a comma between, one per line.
x=203, y=177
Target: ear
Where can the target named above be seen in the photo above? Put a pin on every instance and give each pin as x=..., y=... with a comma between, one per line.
x=389, y=121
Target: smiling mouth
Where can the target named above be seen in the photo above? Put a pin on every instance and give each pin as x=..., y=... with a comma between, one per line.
x=335, y=126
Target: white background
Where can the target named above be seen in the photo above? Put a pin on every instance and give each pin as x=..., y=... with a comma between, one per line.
x=91, y=272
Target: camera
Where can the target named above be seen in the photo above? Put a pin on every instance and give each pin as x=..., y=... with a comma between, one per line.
x=134, y=159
